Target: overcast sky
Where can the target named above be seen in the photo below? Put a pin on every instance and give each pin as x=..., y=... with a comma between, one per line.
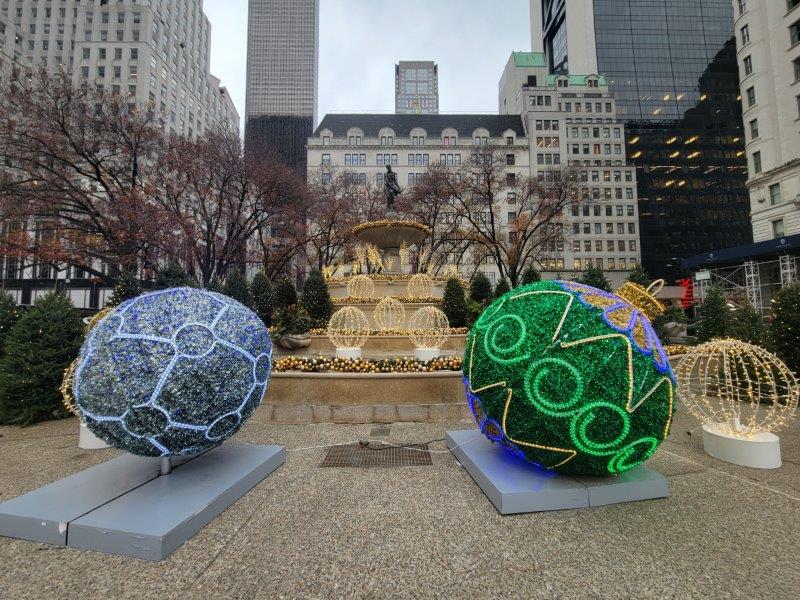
x=361, y=40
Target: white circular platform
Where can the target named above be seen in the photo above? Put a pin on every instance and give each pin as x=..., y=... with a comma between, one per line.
x=89, y=441
x=426, y=354
x=352, y=353
x=762, y=451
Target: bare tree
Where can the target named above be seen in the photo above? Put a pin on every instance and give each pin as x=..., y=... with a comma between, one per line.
x=511, y=220
x=219, y=201
x=74, y=168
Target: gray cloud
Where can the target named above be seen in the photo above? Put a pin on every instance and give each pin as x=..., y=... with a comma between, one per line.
x=361, y=40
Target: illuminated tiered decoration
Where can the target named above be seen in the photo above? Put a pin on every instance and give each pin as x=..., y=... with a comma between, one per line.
x=737, y=388
x=390, y=315
x=174, y=372
x=361, y=287
x=420, y=286
x=348, y=331
x=429, y=331
x=570, y=378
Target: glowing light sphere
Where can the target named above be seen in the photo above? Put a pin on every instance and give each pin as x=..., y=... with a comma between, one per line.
x=738, y=388
x=390, y=314
x=173, y=372
x=570, y=378
x=348, y=328
x=360, y=286
x=420, y=286
x=429, y=328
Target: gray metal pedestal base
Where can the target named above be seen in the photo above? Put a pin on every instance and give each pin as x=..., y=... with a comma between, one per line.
x=516, y=486
x=124, y=507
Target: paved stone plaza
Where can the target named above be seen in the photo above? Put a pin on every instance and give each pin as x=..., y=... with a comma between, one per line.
x=421, y=532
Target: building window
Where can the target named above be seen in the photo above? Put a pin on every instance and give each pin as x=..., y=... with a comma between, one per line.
x=796, y=68
x=751, y=96
x=510, y=141
x=794, y=33
x=326, y=160
x=778, y=229
x=745, y=31
x=798, y=106
x=754, y=128
x=790, y=4
x=748, y=65
x=775, y=194
x=510, y=159
x=742, y=6
x=757, y=168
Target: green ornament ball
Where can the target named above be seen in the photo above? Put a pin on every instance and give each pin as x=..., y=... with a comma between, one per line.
x=570, y=378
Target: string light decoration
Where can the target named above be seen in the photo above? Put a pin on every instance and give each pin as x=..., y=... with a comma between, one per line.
x=420, y=286
x=67, y=397
x=173, y=372
x=570, y=378
x=644, y=298
x=429, y=329
x=304, y=364
x=361, y=287
x=738, y=388
x=390, y=315
x=348, y=328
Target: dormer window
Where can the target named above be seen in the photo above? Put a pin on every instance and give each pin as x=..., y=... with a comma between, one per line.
x=563, y=82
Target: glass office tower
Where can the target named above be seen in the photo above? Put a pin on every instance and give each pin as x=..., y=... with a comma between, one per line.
x=282, y=66
x=672, y=66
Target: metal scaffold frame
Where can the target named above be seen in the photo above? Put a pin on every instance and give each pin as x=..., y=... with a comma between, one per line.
x=788, y=269
x=753, y=285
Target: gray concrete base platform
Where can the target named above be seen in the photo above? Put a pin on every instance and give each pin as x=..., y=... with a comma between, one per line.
x=124, y=507
x=516, y=486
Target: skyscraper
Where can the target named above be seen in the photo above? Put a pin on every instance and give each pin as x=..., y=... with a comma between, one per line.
x=282, y=67
x=416, y=86
x=151, y=52
x=671, y=64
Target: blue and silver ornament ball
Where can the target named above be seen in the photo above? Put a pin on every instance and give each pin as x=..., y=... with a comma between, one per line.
x=173, y=372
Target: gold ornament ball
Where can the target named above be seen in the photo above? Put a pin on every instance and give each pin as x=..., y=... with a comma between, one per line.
x=420, y=286
x=430, y=328
x=348, y=328
x=360, y=286
x=737, y=387
x=390, y=314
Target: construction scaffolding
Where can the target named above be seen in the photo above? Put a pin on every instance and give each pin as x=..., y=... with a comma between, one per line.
x=752, y=283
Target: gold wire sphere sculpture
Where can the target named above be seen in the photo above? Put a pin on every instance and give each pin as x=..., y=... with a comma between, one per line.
x=429, y=328
x=348, y=328
x=68, y=399
x=360, y=286
x=420, y=286
x=390, y=315
x=738, y=388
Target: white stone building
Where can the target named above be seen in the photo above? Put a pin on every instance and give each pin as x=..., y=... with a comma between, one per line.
x=572, y=120
x=544, y=122
x=153, y=51
x=768, y=50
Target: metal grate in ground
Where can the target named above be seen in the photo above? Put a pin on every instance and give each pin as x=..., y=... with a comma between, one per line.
x=377, y=455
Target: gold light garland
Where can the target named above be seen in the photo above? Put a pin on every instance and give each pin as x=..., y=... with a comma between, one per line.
x=394, y=332
x=305, y=364
x=390, y=223
x=375, y=300
x=741, y=389
x=399, y=277
x=420, y=286
x=390, y=314
x=429, y=328
x=348, y=328
x=360, y=286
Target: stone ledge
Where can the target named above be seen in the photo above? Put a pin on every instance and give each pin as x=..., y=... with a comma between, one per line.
x=416, y=413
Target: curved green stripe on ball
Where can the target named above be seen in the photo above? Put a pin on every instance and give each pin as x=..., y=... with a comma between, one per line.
x=534, y=387
x=580, y=424
x=569, y=392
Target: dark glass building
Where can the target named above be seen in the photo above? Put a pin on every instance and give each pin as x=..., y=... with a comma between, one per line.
x=672, y=66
